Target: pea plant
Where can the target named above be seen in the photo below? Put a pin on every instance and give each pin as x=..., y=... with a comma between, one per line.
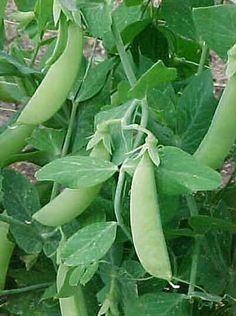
x=130, y=209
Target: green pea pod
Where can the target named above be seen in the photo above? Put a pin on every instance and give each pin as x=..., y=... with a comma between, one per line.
x=71, y=202
x=6, y=248
x=74, y=305
x=12, y=140
x=148, y=237
x=61, y=41
x=56, y=85
x=221, y=134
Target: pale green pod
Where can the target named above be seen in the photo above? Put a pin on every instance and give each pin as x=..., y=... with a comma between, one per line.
x=6, y=249
x=146, y=227
x=71, y=202
x=56, y=85
x=12, y=140
x=221, y=134
x=73, y=305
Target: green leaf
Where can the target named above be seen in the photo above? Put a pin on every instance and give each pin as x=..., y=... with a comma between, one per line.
x=10, y=66
x=86, y=113
x=212, y=34
x=181, y=172
x=11, y=92
x=157, y=74
x=204, y=223
x=95, y=80
x=89, y=244
x=77, y=171
x=25, y=5
x=164, y=304
x=98, y=17
x=133, y=2
x=47, y=139
x=195, y=110
x=178, y=15
x=43, y=12
x=21, y=201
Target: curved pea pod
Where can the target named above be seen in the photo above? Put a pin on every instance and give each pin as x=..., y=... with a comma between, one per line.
x=6, y=249
x=146, y=227
x=12, y=140
x=74, y=304
x=56, y=85
x=71, y=202
x=221, y=134
x=61, y=41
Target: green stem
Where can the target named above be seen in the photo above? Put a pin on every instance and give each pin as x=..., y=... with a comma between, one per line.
x=35, y=54
x=197, y=245
x=117, y=203
x=203, y=58
x=26, y=289
x=66, y=144
x=123, y=55
x=10, y=220
x=143, y=123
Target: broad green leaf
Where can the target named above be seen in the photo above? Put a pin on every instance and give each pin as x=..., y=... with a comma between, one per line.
x=20, y=196
x=43, y=12
x=47, y=139
x=181, y=172
x=77, y=171
x=178, y=15
x=151, y=43
x=10, y=92
x=21, y=201
x=164, y=304
x=124, y=17
x=25, y=5
x=10, y=66
x=95, y=80
x=212, y=34
x=89, y=244
x=98, y=17
x=157, y=74
x=86, y=113
x=195, y=109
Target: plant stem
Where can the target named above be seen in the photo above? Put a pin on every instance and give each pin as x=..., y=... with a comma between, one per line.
x=196, y=251
x=10, y=220
x=36, y=50
x=143, y=123
x=117, y=203
x=203, y=58
x=26, y=289
x=66, y=144
x=123, y=55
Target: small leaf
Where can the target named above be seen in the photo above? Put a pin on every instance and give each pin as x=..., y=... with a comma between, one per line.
x=47, y=139
x=95, y=80
x=157, y=74
x=179, y=172
x=89, y=244
x=77, y=171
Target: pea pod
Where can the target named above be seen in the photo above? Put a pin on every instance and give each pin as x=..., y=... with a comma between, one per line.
x=147, y=233
x=12, y=140
x=71, y=202
x=61, y=41
x=73, y=305
x=221, y=134
x=56, y=85
x=6, y=248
